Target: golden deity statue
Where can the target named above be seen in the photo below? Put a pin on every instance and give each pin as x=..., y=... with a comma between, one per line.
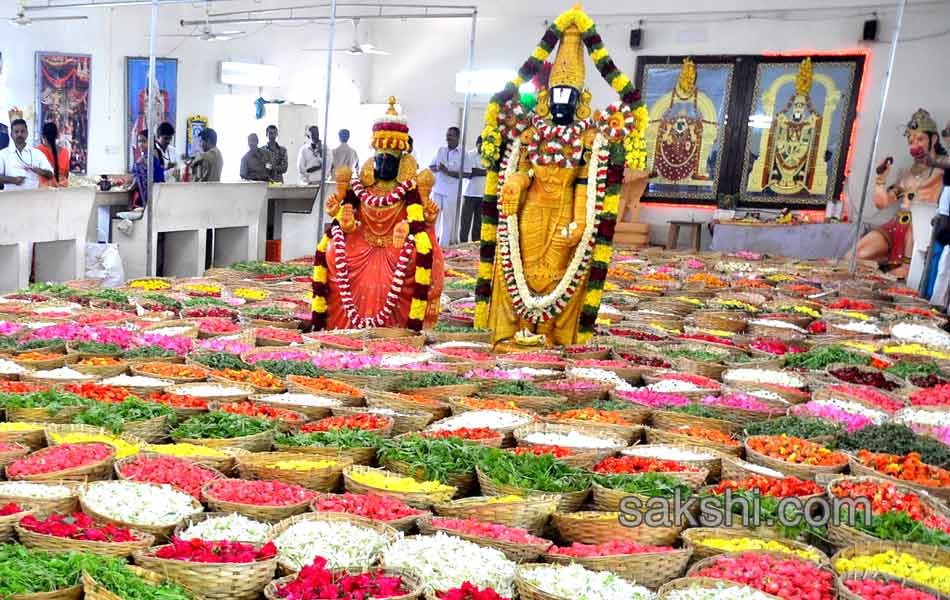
x=379, y=265
x=791, y=157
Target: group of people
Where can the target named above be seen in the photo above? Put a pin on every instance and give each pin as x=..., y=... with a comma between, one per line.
x=449, y=169
x=270, y=162
x=25, y=167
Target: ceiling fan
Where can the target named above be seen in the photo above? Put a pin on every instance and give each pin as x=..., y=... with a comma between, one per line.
x=356, y=49
x=22, y=19
x=207, y=34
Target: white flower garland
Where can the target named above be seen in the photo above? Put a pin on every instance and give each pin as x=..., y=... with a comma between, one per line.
x=557, y=138
x=377, y=201
x=542, y=308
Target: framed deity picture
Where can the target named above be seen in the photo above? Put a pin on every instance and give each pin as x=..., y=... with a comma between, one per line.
x=688, y=101
x=747, y=130
x=194, y=125
x=62, y=97
x=165, y=98
x=799, y=128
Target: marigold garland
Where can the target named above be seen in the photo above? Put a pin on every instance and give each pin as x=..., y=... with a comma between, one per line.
x=418, y=240
x=627, y=147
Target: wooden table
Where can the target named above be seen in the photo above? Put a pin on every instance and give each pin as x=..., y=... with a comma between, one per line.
x=696, y=233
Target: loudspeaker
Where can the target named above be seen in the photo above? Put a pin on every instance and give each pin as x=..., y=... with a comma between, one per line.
x=636, y=38
x=870, y=31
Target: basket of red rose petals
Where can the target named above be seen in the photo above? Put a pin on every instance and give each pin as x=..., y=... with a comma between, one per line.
x=11, y=451
x=214, y=570
x=73, y=462
x=648, y=565
x=516, y=543
x=354, y=584
x=79, y=532
x=264, y=500
x=382, y=509
x=10, y=515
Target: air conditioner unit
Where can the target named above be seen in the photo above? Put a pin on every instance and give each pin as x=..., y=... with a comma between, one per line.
x=249, y=74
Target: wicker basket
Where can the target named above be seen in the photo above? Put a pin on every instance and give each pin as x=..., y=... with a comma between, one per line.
x=9, y=523
x=45, y=364
x=610, y=500
x=591, y=392
x=34, y=438
x=720, y=320
x=507, y=432
x=659, y=436
x=531, y=512
x=669, y=420
x=55, y=430
x=517, y=552
x=194, y=520
x=595, y=527
x=616, y=441
x=327, y=479
x=312, y=412
x=70, y=593
x=297, y=385
x=183, y=389
x=859, y=469
x=651, y=569
x=844, y=593
x=931, y=554
x=142, y=369
x=393, y=401
x=191, y=331
x=51, y=543
x=539, y=404
x=798, y=470
x=403, y=524
x=403, y=421
x=41, y=415
x=44, y=507
x=410, y=580
x=17, y=453
x=567, y=501
x=694, y=538
x=102, y=370
x=258, y=442
x=842, y=536
x=213, y=581
x=684, y=583
x=385, y=530
x=737, y=469
x=261, y=512
x=161, y=532
x=214, y=377
x=149, y=430
x=94, y=591
x=422, y=500
x=630, y=433
x=123, y=462
x=712, y=465
x=444, y=392
x=96, y=471
x=359, y=456
x=699, y=565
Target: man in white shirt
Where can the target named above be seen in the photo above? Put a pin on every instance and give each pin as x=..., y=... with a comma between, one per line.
x=344, y=155
x=20, y=165
x=447, y=166
x=471, y=229
x=310, y=159
x=167, y=152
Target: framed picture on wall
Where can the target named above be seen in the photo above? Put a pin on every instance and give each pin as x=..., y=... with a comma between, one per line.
x=798, y=132
x=759, y=131
x=688, y=102
x=62, y=97
x=165, y=99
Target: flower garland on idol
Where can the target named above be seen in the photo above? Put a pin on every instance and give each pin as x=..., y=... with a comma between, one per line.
x=418, y=240
x=623, y=124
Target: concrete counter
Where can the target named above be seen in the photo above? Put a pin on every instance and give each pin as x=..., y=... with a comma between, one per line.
x=50, y=223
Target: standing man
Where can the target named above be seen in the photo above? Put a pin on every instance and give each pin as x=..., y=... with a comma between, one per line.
x=257, y=164
x=344, y=155
x=447, y=166
x=167, y=153
x=207, y=164
x=471, y=229
x=310, y=159
x=20, y=165
x=279, y=154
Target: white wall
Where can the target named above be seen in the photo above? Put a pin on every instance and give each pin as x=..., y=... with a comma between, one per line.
x=110, y=35
x=422, y=74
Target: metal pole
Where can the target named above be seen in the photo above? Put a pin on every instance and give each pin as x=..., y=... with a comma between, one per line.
x=326, y=124
x=150, y=123
x=465, y=110
x=852, y=267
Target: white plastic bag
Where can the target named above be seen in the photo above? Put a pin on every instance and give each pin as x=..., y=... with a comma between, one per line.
x=103, y=262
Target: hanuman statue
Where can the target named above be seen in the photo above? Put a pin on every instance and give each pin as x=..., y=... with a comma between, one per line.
x=559, y=186
x=379, y=265
x=916, y=191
